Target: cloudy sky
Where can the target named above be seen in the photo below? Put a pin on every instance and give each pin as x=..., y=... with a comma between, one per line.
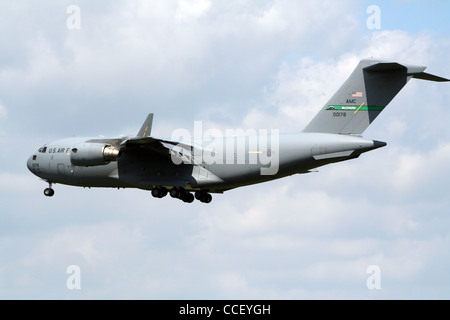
x=232, y=64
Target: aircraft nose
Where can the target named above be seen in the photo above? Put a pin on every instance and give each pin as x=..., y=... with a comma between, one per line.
x=29, y=163
x=33, y=164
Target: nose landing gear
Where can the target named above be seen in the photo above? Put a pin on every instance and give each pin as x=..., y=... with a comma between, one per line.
x=49, y=192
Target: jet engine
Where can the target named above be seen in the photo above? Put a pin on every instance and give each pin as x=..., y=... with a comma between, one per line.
x=93, y=154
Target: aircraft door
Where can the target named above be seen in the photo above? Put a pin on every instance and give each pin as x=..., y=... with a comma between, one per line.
x=61, y=169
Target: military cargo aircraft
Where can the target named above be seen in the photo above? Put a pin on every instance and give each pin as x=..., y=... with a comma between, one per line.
x=195, y=169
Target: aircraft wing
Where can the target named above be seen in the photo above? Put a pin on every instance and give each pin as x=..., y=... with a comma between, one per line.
x=176, y=151
x=172, y=149
x=163, y=147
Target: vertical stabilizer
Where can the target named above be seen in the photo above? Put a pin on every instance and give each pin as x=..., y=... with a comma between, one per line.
x=368, y=90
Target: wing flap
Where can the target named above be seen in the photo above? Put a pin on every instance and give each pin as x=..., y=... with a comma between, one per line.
x=178, y=152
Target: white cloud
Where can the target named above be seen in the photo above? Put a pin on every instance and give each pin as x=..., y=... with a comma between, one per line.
x=302, y=87
x=3, y=111
x=217, y=51
x=188, y=10
x=399, y=45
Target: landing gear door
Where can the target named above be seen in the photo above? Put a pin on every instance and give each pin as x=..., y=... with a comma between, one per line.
x=200, y=173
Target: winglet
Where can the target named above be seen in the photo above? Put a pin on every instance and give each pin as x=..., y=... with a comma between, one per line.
x=146, y=128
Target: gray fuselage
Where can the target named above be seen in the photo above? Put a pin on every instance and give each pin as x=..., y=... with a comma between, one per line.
x=215, y=165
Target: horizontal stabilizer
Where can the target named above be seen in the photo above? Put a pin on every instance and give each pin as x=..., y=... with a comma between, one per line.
x=430, y=77
x=386, y=67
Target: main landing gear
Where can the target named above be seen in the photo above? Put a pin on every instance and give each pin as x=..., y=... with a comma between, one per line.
x=159, y=192
x=49, y=192
x=203, y=196
x=182, y=194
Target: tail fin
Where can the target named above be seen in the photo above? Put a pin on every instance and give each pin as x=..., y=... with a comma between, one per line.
x=368, y=90
x=146, y=128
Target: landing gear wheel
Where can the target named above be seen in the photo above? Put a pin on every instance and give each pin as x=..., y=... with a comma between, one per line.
x=182, y=194
x=164, y=192
x=159, y=192
x=188, y=197
x=174, y=192
x=207, y=198
x=156, y=192
x=49, y=192
x=203, y=196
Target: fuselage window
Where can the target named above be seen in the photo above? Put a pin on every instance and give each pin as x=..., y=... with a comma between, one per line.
x=34, y=157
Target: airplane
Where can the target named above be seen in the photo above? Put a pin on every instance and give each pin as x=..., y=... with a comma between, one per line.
x=197, y=168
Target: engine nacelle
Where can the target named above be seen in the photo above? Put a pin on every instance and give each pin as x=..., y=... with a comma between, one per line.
x=93, y=154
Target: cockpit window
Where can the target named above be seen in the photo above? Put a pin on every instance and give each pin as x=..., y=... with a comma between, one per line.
x=34, y=157
x=42, y=150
